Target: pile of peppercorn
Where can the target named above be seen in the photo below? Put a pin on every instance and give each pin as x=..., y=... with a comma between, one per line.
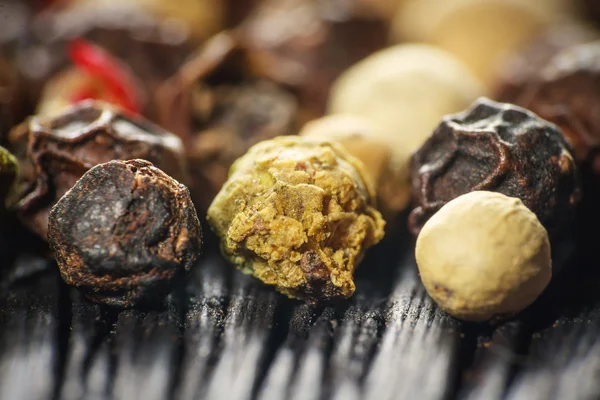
x=300, y=131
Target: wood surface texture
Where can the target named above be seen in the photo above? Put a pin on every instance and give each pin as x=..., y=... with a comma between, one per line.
x=226, y=336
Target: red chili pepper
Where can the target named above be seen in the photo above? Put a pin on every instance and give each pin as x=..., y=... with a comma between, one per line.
x=83, y=94
x=97, y=62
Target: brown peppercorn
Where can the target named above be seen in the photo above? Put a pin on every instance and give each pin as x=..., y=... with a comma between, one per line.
x=500, y=148
x=567, y=92
x=125, y=233
x=14, y=17
x=53, y=153
x=524, y=66
x=306, y=44
x=220, y=109
x=13, y=23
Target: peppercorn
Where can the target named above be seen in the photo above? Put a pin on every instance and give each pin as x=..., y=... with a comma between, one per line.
x=220, y=110
x=125, y=233
x=403, y=92
x=305, y=45
x=297, y=213
x=566, y=93
x=358, y=137
x=151, y=37
x=484, y=255
x=13, y=23
x=496, y=147
x=54, y=152
x=523, y=66
x=478, y=32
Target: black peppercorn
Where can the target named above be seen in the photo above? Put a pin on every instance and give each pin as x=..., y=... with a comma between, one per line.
x=524, y=66
x=124, y=233
x=53, y=153
x=567, y=92
x=501, y=148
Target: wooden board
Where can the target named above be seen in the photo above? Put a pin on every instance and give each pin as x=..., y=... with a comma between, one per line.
x=226, y=336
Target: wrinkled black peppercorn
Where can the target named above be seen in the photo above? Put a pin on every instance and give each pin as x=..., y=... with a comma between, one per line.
x=53, y=153
x=501, y=148
x=124, y=233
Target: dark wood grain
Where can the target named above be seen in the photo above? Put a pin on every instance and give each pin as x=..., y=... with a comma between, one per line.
x=224, y=335
x=29, y=338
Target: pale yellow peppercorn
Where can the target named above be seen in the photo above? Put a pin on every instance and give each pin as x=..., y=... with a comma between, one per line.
x=484, y=255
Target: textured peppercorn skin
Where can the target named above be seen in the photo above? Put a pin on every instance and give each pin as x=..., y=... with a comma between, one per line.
x=501, y=148
x=54, y=152
x=124, y=233
x=298, y=213
x=484, y=256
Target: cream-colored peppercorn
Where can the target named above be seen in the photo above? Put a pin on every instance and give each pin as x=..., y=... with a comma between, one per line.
x=404, y=91
x=479, y=32
x=484, y=255
x=356, y=135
